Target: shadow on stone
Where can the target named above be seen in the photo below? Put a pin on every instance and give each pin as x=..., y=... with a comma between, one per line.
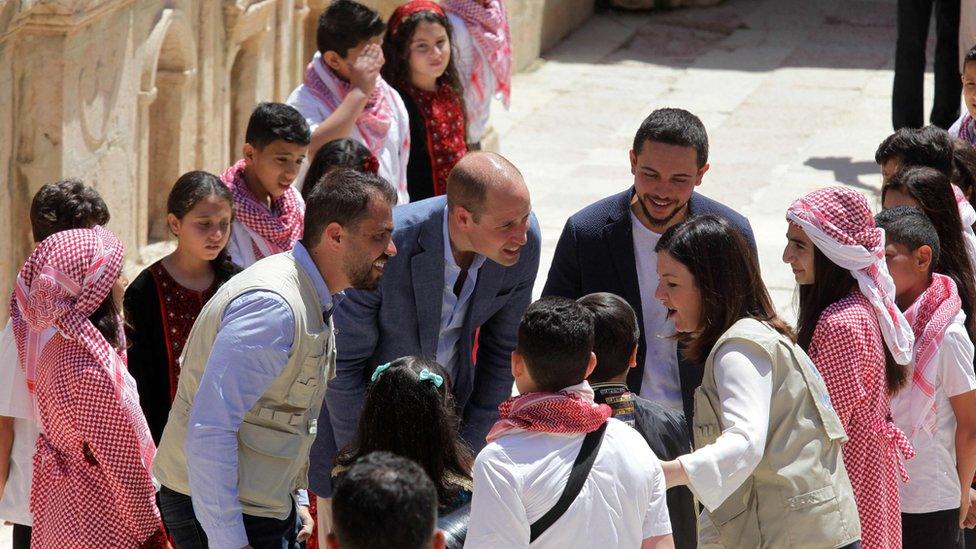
x=845, y=170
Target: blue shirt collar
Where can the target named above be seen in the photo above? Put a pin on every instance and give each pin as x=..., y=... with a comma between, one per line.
x=476, y=263
x=326, y=297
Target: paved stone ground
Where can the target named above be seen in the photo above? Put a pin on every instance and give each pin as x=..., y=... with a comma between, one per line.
x=795, y=95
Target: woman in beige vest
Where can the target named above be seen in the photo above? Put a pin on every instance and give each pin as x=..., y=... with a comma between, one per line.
x=767, y=462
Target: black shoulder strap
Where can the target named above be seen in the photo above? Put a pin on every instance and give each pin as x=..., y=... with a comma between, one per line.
x=577, y=477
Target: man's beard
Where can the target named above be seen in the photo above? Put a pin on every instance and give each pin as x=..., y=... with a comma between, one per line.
x=361, y=275
x=656, y=221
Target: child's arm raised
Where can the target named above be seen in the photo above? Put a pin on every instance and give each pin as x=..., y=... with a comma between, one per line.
x=363, y=76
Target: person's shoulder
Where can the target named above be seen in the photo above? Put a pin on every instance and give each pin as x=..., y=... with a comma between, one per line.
x=849, y=311
x=142, y=283
x=706, y=205
x=597, y=214
x=626, y=439
x=408, y=216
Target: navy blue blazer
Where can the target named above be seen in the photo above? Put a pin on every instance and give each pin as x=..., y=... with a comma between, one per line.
x=595, y=253
x=403, y=316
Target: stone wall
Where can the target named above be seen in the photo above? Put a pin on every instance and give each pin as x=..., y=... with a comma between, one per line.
x=129, y=94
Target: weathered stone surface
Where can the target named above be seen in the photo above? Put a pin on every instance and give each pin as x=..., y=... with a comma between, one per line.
x=129, y=94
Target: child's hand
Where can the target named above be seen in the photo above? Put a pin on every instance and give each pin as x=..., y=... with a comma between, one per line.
x=366, y=70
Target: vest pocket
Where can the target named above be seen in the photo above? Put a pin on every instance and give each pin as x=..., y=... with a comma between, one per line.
x=267, y=465
x=737, y=519
x=814, y=515
x=705, y=426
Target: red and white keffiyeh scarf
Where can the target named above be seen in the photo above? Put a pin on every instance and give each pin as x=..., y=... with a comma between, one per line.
x=571, y=410
x=839, y=222
x=375, y=120
x=967, y=129
x=63, y=282
x=444, y=124
x=929, y=317
x=488, y=26
x=281, y=227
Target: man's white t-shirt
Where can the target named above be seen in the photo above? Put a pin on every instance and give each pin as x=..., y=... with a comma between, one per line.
x=16, y=402
x=934, y=483
x=519, y=477
x=661, y=382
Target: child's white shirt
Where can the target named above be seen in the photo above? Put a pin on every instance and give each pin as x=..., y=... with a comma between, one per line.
x=520, y=476
x=16, y=402
x=934, y=483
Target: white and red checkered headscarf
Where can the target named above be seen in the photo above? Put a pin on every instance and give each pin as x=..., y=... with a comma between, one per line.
x=488, y=26
x=281, y=227
x=62, y=283
x=839, y=222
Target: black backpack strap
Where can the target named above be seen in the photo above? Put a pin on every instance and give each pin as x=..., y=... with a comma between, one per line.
x=577, y=477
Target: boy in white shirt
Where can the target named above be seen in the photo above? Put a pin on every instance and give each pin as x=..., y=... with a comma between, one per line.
x=965, y=127
x=937, y=406
x=524, y=470
x=343, y=94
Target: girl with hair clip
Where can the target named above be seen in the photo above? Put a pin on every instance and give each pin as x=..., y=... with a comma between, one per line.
x=767, y=462
x=162, y=303
x=91, y=485
x=339, y=153
x=860, y=342
x=483, y=43
x=930, y=191
x=409, y=411
x=421, y=66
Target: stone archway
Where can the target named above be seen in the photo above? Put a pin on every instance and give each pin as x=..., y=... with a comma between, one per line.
x=167, y=119
x=243, y=92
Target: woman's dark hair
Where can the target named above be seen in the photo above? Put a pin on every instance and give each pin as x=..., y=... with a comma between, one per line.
x=339, y=153
x=727, y=275
x=396, y=50
x=964, y=168
x=187, y=192
x=107, y=320
x=414, y=419
x=931, y=189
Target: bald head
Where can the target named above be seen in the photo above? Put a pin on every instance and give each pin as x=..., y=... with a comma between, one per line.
x=476, y=175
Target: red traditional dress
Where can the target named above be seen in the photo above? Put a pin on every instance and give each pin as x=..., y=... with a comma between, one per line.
x=91, y=485
x=848, y=350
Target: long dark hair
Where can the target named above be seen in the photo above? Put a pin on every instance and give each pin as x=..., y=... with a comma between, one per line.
x=107, y=319
x=964, y=169
x=930, y=188
x=396, y=50
x=831, y=283
x=727, y=275
x=412, y=418
x=187, y=192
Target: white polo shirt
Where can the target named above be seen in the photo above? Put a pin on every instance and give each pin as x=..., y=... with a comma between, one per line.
x=520, y=476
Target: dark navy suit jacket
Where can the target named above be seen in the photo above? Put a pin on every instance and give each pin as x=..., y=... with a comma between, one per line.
x=595, y=253
x=403, y=316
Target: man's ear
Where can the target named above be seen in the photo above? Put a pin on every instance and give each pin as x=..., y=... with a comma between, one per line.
x=701, y=173
x=633, y=162
x=632, y=361
x=332, y=235
x=923, y=258
x=249, y=152
x=333, y=60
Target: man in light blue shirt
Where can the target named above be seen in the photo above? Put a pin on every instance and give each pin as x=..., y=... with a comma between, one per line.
x=245, y=411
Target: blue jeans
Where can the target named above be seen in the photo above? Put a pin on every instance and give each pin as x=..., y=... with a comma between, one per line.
x=262, y=532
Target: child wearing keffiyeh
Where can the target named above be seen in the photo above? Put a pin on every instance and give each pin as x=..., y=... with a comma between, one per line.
x=269, y=212
x=965, y=127
x=935, y=499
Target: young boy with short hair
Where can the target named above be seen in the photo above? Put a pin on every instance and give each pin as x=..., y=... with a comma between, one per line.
x=965, y=127
x=937, y=406
x=385, y=500
x=664, y=429
x=343, y=94
x=525, y=468
x=58, y=206
x=268, y=211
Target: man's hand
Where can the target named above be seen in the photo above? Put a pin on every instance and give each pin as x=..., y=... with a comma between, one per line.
x=969, y=512
x=307, y=523
x=366, y=70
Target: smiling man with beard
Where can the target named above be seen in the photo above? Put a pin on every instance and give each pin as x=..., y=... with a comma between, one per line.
x=609, y=246
x=466, y=265
x=254, y=372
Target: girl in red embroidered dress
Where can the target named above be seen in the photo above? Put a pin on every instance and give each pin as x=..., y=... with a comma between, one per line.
x=420, y=65
x=162, y=303
x=847, y=315
x=91, y=485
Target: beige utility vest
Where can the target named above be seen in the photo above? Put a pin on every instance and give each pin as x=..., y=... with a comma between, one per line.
x=277, y=433
x=799, y=495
